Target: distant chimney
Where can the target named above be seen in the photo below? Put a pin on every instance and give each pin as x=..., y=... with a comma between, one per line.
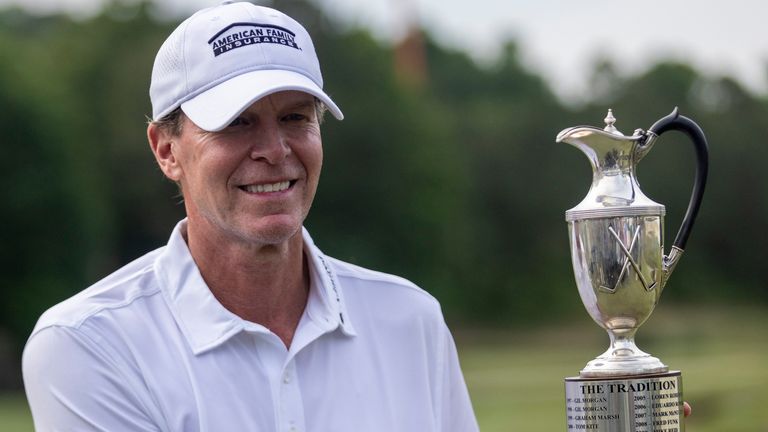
x=410, y=55
x=411, y=60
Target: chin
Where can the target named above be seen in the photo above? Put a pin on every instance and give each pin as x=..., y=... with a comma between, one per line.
x=274, y=232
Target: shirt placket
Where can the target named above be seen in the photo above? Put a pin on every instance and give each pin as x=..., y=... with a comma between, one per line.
x=290, y=399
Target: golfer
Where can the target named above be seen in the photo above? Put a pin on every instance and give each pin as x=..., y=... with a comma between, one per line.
x=241, y=323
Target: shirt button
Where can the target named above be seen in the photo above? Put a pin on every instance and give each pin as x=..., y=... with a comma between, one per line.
x=287, y=379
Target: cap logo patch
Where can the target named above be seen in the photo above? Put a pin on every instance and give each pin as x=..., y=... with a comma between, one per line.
x=238, y=35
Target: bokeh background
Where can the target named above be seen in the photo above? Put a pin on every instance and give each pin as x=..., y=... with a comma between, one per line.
x=444, y=171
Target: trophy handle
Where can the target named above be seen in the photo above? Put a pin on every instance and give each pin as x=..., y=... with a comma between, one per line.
x=674, y=121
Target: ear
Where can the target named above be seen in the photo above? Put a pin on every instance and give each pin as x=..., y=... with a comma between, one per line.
x=164, y=147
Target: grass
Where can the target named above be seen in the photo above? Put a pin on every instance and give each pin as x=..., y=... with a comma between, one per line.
x=515, y=377
x=14, y=413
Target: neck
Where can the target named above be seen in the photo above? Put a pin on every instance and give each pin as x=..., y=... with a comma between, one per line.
x=264, y=284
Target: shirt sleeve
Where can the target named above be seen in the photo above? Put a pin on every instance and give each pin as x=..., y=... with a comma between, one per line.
x=456, y=413
x=74, y=384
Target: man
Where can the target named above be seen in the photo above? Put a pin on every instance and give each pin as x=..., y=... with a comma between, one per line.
x=240, y=323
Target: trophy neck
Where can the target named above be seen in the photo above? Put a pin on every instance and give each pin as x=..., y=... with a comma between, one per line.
x=623, y=358
x=614, y=191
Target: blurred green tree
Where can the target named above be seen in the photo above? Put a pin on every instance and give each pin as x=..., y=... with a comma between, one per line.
x=456, y=184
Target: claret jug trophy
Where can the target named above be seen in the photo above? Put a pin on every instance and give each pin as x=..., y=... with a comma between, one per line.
x=617, y=249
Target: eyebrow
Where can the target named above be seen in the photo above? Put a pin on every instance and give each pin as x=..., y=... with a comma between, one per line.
x=301, y=104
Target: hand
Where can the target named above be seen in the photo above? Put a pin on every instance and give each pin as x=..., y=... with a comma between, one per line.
x=686, y=409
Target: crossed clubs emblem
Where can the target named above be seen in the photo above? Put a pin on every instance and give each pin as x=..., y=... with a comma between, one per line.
x=628, y=261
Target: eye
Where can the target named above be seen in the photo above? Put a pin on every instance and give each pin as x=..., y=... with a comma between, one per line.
x=238, y=121
x=295, y=117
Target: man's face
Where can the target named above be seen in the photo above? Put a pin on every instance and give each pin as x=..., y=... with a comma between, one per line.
x=255, y=180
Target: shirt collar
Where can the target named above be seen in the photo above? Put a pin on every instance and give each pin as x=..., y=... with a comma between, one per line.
x=206, y=324
x=326, y=300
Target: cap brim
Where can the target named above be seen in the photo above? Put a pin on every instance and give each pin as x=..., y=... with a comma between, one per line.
x=217, y=107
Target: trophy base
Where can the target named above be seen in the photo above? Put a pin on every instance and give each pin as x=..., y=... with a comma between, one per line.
x=643, y=403
x=613, y=364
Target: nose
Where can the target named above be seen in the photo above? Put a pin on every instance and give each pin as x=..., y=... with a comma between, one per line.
x=269, y=144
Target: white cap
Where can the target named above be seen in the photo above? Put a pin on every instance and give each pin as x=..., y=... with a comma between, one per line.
x=222, y=59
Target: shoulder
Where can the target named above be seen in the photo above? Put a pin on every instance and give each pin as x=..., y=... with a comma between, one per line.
x=385, y=292
x=118, y=290
x=376, y=280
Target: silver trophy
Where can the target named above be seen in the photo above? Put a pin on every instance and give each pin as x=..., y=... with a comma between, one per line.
x=617, y=249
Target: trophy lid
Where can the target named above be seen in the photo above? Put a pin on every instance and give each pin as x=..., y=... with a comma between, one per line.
x=613, y=156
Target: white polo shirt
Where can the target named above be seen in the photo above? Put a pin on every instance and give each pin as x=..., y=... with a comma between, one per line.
x=149, y=348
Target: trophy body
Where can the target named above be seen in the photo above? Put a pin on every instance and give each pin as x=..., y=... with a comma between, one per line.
x=617, y=249
x=618, y=264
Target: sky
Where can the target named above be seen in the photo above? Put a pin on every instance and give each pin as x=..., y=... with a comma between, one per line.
x=560, y=39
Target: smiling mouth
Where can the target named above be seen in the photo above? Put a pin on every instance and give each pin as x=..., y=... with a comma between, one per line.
x=268, y=187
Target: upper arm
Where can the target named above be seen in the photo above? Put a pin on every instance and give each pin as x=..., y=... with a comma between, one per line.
x=75, y=384
x=456, y=413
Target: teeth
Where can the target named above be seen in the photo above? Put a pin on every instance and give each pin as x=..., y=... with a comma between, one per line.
x=272, y=187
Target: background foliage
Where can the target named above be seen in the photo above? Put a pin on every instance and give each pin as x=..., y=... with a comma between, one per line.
x=455, y=183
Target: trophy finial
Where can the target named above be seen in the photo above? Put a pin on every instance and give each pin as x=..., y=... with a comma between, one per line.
x=609, y=121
